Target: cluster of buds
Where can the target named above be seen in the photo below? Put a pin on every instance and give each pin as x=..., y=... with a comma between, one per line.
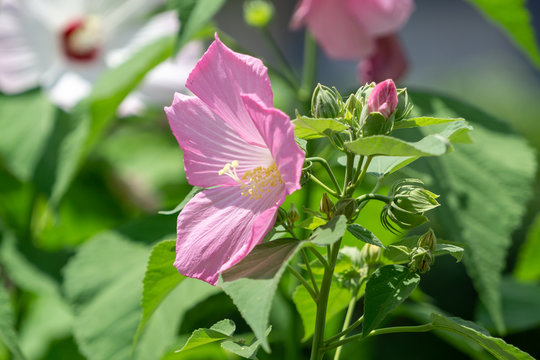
x=422, y=256
x=409, y=200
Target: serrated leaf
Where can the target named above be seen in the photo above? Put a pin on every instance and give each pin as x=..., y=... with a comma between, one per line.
x=527, y=266
x=221, y=330
x=194, y=191
x=515, y=19
x=160, y=279
x=194, y=15
x=7, y=326
x=466, y=178
x=331, y=232
x=246, y=349
x=309, y=128
x=422, y=121
x=388, y=287
x=495, y=346
x=252, y=282
x=364, y=235
x=443, y=249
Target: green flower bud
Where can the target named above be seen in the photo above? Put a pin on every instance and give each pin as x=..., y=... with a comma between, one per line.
x=421, y=260
x=293, y=215
x=281, y=216
x=346, y=207
x=326, y=206
x=404, y=107
x=371, y=254
x=428, y=241
x=326, y=103
x=258, y=13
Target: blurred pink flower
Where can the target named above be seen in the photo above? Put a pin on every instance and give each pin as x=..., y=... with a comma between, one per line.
x=235, y=142
x=383, y=98
x=351, y=29
x=387, y=62
x=65, y=45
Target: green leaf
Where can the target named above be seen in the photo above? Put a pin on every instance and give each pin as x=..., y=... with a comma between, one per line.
x=310, y=128
x=443, y=249
x=312, y=223
x=26, y=121
x=527, y=266
x=495, y=346
x=498, y=162
x=252, y=282
x=388, y=287
x=422, y=121
x=521, y=308
x=7, y=328
x=514, y=18
x=160, y=279
x=338, y=299
x=330, y=232
x=194, y=191
x=247, y=348
x=194, y=15
x=221, y=330
x=364, y=235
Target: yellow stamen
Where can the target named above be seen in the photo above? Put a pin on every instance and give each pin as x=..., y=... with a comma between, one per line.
x=256, y=182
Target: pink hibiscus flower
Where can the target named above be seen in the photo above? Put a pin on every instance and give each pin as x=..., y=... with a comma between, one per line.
x=235, y=142
x=359, y=29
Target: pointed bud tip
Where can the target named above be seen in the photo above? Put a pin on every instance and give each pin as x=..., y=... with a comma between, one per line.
x=383, y=98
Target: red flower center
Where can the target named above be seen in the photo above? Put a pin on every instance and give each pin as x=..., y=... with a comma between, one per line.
x=81, y=39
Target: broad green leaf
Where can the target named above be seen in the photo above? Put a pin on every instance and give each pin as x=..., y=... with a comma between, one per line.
x=514, y=18
x=312, y=223
x=247, y=348
x=221, y=330
x=422, y=121
x=528, y=266
x=92, y=116
x=521, y=307
x=330, y=232
x=252, y=282
x=309, y=128
x=7, y=325
x=160, y=279
x=443, y=249
x=338, y=300
x=194, y=15
x=26, y=121
x=194, y=191
x=495, y=346
x=467, y=180
x=364, y=235
x=388, y=287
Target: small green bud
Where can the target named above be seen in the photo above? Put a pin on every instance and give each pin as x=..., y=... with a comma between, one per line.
x=404, y=107
x=428, y=241
x=421, y=260
x=281, y=216
x=346, y=207
x=326, y=206
x=258, y=13
x=371, y=254
x=293, y=215
x=326, y=103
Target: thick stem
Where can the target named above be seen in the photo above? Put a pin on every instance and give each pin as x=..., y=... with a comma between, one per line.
x=317, y=351
x=372, y=196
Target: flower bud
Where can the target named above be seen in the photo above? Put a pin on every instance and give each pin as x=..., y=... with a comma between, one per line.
x=293, y=215
x=326, y=103
x=281, y=216
x=258, y=13
x=383, y=98
x=421, y=261
x=326, y=206
x=371, y=254
x=428, y=241
x=346, y=207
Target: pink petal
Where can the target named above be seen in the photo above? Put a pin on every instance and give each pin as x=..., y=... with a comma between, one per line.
x=278, y=133
x=302, y=10
x=380, y=17
x=336, y=30
x=388, y=62
x=383, y=98
x=218, y=228
x=209, y=143
x=221, y=76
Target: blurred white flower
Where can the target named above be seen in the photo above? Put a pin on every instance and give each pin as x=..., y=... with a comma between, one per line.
x=64, y=45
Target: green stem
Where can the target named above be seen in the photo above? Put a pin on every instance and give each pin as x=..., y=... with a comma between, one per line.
x=309, y=66
x=286, y=67
x=328, y=169
x=303, y=282
x=390, y=330
x=308, y=267
x=371, y=196
x=317, y=351
x=348, y=172
x=321, y=258
x=344, y=332
x=321, y=184
x=358, y=181
x=346, y=322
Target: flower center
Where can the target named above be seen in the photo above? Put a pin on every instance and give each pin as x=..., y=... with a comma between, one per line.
x=256, y=182
x=81, y=39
